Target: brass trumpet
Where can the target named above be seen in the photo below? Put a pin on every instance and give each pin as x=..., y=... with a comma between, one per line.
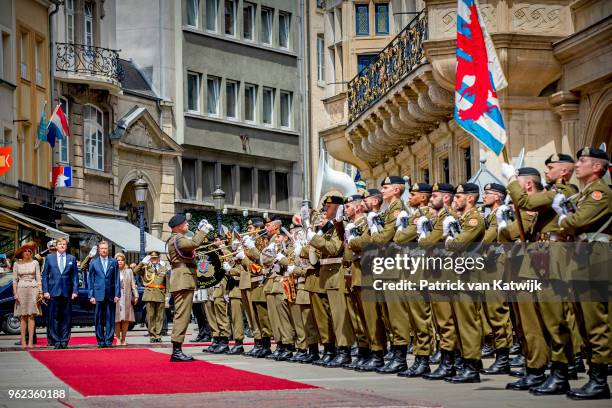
x=201, y=247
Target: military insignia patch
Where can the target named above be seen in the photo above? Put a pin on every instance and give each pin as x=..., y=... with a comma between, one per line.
x=415, y=187
x=596, y=195
x=460, y=189
x=473, y=222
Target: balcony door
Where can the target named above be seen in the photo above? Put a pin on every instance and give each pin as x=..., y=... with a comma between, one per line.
x=88, y=36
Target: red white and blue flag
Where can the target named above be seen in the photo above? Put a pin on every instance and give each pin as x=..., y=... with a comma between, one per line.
x=61, y=176
x=57, y=128
x=479, y=76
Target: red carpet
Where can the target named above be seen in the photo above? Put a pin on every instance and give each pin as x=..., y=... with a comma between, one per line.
x=74, y=341
x=128, y=372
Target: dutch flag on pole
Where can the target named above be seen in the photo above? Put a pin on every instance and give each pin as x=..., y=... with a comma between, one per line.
x=57, y=128
x=479, y=76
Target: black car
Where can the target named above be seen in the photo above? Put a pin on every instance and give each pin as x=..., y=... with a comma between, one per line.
x=82, y=309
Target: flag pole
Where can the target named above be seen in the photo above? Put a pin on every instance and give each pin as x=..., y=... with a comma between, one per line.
x=519, y=218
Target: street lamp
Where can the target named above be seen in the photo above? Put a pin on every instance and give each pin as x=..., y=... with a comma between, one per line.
x=219, y=201
x=140, y=189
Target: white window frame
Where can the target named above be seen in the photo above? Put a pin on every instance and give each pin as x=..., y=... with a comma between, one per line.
x=270, y=34
x=196, y=8
x=289, y=96
x=320, y=58
x=69, y=16
x=96, y=145
x=235, y=17
x=216, y=17
x=217, y=81
x=253, y=87
x=198, y=77
x=38, y=49
x=236, y=86
x=263, y=104
x=23, y=55
x=64, y=144
x=287, y=16
x=88, y=39
x=5, y=55
x=253, y=8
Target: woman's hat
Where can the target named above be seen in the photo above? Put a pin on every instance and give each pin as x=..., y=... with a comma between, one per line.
x=28, y=245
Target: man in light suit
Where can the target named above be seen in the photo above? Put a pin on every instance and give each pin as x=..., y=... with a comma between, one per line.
x=60, y=285
x=104, y=292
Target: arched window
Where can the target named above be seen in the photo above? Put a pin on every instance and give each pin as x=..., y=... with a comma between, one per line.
x=93, y=126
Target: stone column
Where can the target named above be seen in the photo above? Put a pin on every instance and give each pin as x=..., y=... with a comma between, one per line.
x=566, y=104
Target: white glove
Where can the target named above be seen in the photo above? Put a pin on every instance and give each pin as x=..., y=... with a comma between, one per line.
x=290, y=268
x=339, y=213
x=249, y=243
x=371, y=216
x=446, y=224
x=235, y=244
x=93, y=251
x=502, y=223
x=240, y=255
x=557, y=204
x=280, y=256
x=420, y=226
x=348, y=231
x=162, y=263
x=561, y=218
x=508, y=171
x=371, y=225
x=310, y=235
x=146, y=259
x=205, y=226
x=401, y=217
x=271, y=247
x=226, y=298
x=422, y=235
x=226, y=266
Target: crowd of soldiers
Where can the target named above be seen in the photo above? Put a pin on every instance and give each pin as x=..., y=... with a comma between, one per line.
x=304, y=287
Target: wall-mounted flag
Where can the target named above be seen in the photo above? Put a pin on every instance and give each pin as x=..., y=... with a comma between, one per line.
x=6, y=161
x=57, y=128
x=41, y=132
x=61, y=176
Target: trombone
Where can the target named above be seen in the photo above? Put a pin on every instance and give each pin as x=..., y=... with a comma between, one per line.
x=201, y=247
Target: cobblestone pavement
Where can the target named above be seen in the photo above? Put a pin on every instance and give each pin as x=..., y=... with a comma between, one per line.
x=339, y=388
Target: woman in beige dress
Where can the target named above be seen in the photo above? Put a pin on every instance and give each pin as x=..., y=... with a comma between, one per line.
x=27, y=285
x=124, y=311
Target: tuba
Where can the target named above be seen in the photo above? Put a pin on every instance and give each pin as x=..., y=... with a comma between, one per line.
x=329, y=179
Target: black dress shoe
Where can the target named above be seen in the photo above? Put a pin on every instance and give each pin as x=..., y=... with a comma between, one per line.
x=286, y=354
x=374, y=362
x=501, y=364
x=212, y=347
x=418, y=369
x=556, y=383
x=596, y=388
x=397, y=363
x=279, y=349
x=436, y=357
x=252, y=352
x=469, y=373
x=487, y=351
x=517, y=361
x=178, y=355
x=445, y=369
x=325, y=359
x=521, y=372
x=362, y=356
x=310, y=358
x=533, y=378
x=298, y=356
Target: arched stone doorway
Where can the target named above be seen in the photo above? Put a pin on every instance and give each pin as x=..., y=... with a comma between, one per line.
x=129, y=204
x=603, y=129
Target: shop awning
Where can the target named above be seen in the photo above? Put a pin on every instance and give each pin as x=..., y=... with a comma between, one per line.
x=33, y=224
x=119, y=232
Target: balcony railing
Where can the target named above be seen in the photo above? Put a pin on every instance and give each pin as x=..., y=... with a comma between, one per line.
x=88, y=60
x=400, y=57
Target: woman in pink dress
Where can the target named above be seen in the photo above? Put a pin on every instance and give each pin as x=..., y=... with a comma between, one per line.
x=124, y=310
x=27, y=285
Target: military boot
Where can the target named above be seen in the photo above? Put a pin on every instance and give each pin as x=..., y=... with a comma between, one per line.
x=177, y=353
x=517, y=361
x=397, y=363
x=445, y=369
x=375, y=361
x=265, y=348
x=556, y=383
x=286, y=354
x=343, y=357
x=237, y=348
x=362, y=355
x=488, y=350
x=532, y=378
x=436, y=357
x=279, y=349
x=468, y=374
x=390, y=354
x=329, y=353
x=596, y=388
x=213, y=346
x=313, y=354
x=418, y=369
x=501, y=364
x=255, y=349
x=223, y=346
x=298, y=356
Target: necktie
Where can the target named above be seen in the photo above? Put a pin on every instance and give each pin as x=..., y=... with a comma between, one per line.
x=62, y=264
x=104, y=264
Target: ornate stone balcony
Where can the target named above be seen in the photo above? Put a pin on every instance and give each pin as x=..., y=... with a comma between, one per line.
x=96, y=66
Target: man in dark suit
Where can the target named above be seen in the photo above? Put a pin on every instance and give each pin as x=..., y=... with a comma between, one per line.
x=104, y=292
x=60, y=285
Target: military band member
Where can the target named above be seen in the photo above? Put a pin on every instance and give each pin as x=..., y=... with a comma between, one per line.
x=234, y=271
x=327, y=241
x=155, y=277
x=183, y=280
